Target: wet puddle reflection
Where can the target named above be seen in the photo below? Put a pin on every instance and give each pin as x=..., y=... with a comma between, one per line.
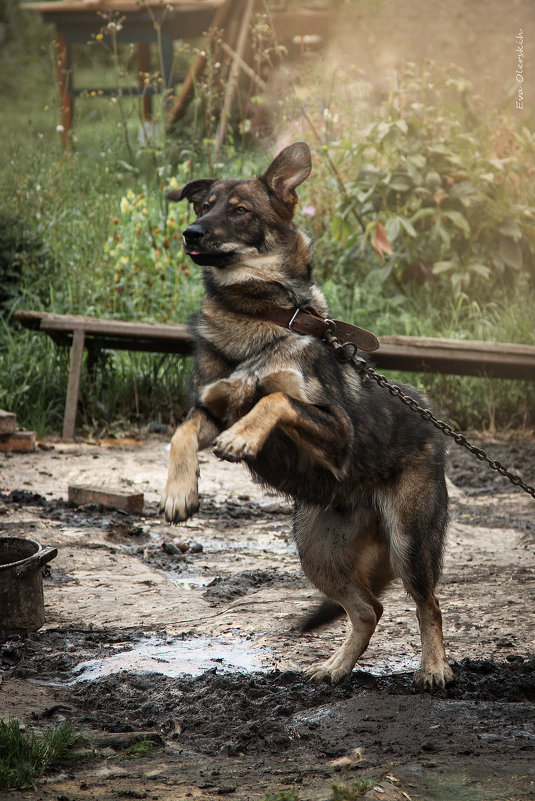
x=176, y=657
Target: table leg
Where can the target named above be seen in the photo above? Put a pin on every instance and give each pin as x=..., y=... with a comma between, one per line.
x=64, y=77
x=143, y=64
x=73, y=388
x=166, y=45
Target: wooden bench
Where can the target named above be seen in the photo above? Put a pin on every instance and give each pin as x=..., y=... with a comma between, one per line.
x=413, y=354
x=95, y=334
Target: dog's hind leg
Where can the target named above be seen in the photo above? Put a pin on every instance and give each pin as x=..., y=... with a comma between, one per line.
x=417, y=530
x=180, y=498
x=341, y=563
x=434, y=670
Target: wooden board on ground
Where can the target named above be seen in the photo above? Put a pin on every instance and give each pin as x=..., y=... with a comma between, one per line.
x=8, y=422
x=19, y=442
x=124, y=501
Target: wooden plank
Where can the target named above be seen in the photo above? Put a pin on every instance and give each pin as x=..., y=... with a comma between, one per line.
x=30, y=318
x=456, y=357
x=124, y=6
x=113, y=334
x=19, y=442
x=8, y=422
x=94, y=325
x=129, y=502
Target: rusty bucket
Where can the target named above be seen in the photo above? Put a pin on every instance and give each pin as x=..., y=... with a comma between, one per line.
x=21, y=584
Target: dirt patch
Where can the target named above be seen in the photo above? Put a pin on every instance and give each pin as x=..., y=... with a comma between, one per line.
x=189, y=635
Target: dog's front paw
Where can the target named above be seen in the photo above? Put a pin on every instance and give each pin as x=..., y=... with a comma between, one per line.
x=178, y=503
x=233, y=447
x=434, y=677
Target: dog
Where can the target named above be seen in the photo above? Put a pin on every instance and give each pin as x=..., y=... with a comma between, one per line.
x=365, y=473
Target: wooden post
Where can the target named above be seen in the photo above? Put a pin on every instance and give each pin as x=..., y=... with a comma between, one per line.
x=197, y=68
x=233, y=77
x=73, y=387
x=63, y=71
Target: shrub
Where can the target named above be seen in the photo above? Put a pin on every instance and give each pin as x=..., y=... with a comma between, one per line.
x=432, y=197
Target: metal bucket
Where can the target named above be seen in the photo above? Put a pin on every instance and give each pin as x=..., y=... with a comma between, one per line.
x=21, y=584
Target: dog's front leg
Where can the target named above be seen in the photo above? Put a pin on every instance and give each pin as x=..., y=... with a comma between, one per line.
x=180, y=498
x=324, y=435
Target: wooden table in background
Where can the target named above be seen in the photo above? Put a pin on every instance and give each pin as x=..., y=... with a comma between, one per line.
x=153, y=21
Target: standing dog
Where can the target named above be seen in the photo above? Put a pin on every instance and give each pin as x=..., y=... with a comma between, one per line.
x=366, y=474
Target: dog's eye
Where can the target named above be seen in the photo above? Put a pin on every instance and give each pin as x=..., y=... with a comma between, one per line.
x=205, y=207
x=239, y=210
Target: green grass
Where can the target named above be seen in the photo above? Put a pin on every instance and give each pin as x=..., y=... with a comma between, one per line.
x=139, y=750
x=350, y=790
x=25, y=756
x=353, y=789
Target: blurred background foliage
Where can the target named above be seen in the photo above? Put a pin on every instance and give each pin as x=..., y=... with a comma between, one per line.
x=420, y=204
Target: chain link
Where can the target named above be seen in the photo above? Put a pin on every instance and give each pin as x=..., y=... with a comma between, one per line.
x=347, y=352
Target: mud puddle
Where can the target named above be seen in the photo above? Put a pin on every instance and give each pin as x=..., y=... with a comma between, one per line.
x=174, y=657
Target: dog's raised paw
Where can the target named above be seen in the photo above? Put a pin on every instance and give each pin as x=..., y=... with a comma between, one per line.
x=232, y=447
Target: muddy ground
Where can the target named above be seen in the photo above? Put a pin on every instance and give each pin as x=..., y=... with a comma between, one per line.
x=186, y=639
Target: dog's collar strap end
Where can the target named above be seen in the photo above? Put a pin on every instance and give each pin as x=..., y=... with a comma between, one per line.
x=310, y=322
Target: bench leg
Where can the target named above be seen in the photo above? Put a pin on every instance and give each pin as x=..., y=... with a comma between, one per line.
x=73, y=388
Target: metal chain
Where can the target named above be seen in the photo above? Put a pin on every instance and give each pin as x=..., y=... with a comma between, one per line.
x=347, y=352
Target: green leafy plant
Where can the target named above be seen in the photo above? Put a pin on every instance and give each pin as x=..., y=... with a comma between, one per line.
x=432, y=196
x=146, y=274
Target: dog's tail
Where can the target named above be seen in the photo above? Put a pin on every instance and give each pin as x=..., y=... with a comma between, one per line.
x=325, y=613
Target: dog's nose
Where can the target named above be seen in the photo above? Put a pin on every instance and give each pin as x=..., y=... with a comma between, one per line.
x=193, y=233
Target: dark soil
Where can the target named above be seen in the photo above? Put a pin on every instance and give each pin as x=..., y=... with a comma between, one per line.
x=516, y=454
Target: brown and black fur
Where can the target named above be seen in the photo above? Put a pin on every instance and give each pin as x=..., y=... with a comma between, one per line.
x=366, y=474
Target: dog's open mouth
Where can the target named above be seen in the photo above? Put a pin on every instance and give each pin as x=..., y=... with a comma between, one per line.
x=205, y=258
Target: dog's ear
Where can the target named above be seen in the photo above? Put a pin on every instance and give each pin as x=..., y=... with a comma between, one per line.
x=195, y=192
x=289, y=169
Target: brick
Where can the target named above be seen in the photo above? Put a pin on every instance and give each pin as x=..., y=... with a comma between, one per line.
x=8, y=422
x=19, y=442
x=130, y=502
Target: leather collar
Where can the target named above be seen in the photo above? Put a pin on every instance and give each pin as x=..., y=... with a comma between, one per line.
x=310, y=322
